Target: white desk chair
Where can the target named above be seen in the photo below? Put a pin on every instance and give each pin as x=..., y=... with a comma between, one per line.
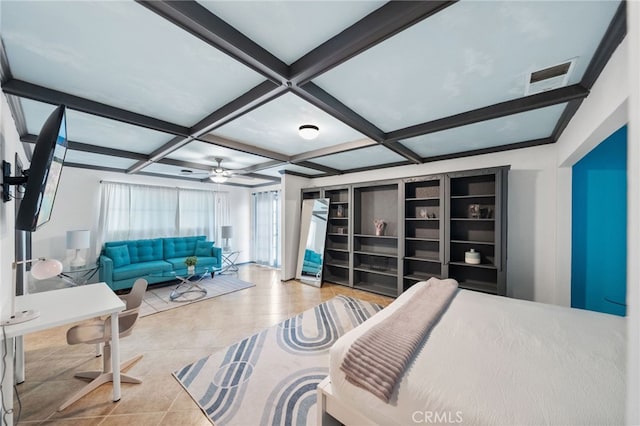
x=98, y=331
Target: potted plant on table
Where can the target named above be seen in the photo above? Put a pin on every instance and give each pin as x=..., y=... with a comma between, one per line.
x=191, y=262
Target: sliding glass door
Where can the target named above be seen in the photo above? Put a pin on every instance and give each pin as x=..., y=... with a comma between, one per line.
x=266, y=228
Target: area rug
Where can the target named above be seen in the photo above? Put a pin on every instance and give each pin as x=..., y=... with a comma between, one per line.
x=156, y=299
x=270, y=378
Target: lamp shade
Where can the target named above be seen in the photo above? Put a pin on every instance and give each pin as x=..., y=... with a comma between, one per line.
x=225, y=232
x=43, y=269
x=79, y=239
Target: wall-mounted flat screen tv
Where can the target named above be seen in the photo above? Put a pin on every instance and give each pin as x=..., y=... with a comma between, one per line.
x=44, y=173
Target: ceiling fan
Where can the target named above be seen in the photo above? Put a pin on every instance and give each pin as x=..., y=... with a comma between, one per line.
x=217, y=174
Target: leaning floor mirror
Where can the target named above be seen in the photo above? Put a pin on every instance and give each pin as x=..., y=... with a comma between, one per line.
x=313, y=230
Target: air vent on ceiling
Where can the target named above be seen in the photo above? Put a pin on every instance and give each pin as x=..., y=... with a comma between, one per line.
x=549, y=78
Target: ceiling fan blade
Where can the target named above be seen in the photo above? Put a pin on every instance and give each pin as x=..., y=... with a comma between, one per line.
x=187, y=172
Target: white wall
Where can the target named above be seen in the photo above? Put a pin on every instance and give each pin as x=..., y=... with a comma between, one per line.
x=603, y=112
x=9, y=145
x=633, y=231
x=290, y=223
x=77, y=206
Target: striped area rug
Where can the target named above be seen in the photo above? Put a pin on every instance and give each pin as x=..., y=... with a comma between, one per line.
x=270, y=378
x=156, y=299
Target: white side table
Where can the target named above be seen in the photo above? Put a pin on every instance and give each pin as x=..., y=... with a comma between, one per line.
x=229, y=259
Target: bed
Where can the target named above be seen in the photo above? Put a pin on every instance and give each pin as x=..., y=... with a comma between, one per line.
x=494, y=360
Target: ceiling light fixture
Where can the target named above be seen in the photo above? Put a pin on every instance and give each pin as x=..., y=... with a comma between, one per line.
x=218, y=178
x=308, y=131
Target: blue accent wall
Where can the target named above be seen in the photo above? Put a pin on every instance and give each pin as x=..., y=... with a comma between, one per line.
x=599, y=227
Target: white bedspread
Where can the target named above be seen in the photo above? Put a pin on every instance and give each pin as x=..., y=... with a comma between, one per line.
x=500, y=361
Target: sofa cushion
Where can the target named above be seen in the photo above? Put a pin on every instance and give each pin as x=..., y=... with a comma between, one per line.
x=141, y=269
x=119, y=255
x=203, y=248
x=145, y=250
x=141, y=250
x=180, y=246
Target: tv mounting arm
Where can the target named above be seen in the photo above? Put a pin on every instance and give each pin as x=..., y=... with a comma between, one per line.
x=8, y=180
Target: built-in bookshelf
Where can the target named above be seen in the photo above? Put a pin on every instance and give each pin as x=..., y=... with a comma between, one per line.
x=375, y=249
x=475, y=223
x=431, y=222
x=424, y=233
x=337, y=258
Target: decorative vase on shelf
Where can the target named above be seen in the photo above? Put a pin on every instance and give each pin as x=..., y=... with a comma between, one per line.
x=380, y=225
x=340, y=211
x=472, y=257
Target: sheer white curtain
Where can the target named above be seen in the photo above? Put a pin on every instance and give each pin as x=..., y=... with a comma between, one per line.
x=266, y=228
x=222, y=215
x=114, y=213
x=197, y=215
x=129, y=212
x=154, y=212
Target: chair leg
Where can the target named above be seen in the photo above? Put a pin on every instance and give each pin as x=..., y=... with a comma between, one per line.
x=124, y=378
x=89, y=375
x=127, y=364
x=99, y=378
x=98, y=381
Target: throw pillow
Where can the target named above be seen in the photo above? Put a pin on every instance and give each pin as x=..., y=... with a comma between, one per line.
x=119, y=255
x=203, y=248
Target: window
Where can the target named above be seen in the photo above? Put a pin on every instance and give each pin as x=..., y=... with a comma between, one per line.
x=143, y=211
x=266, y=228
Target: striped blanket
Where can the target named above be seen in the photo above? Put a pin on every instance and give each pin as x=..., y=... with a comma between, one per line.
x=377, y=360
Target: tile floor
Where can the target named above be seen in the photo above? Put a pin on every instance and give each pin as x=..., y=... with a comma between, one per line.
x=168, y=340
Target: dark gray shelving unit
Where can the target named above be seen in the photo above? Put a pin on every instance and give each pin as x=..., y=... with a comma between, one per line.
x=375, y=257
x=477, y=220
x=337, y=257
x=423, y=229
x=311, y=193
x=430, y=225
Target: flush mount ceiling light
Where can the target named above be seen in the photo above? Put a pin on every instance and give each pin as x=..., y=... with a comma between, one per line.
x=308, y=131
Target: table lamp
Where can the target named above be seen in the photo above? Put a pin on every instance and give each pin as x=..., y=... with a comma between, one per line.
x=78, y=240
x=42, y=269
x=225, y=234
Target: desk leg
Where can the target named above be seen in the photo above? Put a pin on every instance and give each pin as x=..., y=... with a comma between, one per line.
x=19, y=359
x=115, y=356
x=7, y=385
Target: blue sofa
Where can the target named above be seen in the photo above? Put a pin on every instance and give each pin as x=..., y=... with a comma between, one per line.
x=312, y=263
x=122, y=262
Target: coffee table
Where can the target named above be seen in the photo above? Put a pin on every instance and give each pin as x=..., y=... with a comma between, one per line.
x=189, y=283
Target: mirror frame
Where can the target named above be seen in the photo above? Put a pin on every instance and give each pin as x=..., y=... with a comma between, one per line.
x=308, y=212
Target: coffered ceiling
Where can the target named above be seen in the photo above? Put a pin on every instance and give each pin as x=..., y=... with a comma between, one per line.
x=165, y=88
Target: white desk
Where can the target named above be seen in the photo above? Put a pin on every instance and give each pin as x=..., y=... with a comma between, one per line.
x=60, y=307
